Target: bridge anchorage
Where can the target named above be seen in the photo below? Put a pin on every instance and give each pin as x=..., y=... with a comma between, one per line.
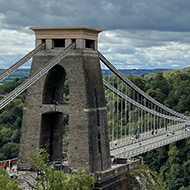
x=108, y=115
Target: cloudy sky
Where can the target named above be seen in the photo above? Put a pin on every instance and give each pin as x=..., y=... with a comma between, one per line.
x=139, y=34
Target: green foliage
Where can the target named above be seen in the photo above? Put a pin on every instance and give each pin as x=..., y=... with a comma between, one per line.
x=184, y=188
x=186, y=173
x=10, y=85
x=173, y=154
x=6, y=183
x=159, y=82
x=156, y=158
x=10, y=122
x=178, y=97
x=11, y=119
x=174, y=178
x=39, y=160
x=172, y=165
x=156, y=94
x=144, y=175
x=169, y=87
x=57, y=180
x=9, y=150
x=184, y=103
x=19, y=73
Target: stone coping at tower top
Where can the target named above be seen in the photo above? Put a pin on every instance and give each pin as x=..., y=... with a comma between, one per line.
x=72, y=32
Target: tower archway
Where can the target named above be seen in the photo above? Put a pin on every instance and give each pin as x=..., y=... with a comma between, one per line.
x=51, y=133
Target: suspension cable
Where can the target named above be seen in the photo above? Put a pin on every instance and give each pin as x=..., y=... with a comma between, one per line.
x=23, y=60
x=110, y=87
x=132, y=85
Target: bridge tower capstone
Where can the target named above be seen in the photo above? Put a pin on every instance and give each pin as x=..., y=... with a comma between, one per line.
x=42, y=125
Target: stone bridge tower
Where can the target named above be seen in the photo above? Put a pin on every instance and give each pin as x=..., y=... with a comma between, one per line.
x=42, y=125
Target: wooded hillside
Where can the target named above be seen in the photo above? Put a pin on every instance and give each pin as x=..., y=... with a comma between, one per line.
x=169, y=87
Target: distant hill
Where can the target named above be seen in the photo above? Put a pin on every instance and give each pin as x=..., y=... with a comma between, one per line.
x=134, y=71
x=21, y=73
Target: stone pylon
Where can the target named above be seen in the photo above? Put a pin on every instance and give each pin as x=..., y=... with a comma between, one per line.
x=42, y=125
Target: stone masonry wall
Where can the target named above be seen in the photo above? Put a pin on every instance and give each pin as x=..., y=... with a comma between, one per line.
x=88, y=132
x=115, y=178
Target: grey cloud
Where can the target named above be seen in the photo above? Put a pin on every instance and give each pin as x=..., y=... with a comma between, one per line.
x=146, y=49
x=170, y=15
x=147, y=38
x=139, y=33
x=5, y=61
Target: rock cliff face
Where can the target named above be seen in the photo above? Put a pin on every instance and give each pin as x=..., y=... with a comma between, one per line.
x=130, y=176
x=142, y=178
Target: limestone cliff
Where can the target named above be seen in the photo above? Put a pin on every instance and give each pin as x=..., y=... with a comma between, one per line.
x=142, y=178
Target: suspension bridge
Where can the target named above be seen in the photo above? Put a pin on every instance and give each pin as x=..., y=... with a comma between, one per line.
x=153, y=124
x=136, y=122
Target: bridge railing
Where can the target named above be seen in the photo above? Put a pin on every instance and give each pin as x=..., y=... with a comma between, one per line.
x=144, y=136
x=145, y=148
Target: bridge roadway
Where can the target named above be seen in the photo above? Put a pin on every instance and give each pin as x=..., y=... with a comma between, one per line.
x=136, y=148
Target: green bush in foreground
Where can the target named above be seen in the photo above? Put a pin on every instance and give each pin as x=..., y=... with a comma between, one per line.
x=50, y=179
x=6, y=183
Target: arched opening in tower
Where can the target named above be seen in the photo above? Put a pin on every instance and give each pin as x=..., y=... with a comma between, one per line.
x=51, y=135
x=54, y=123
x=54, y=85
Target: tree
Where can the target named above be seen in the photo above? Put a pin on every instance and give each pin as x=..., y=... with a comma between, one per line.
x=183, y=104
x=160, y=82
x=186, y=173
x=10, y=150
x=174, y=178
x=184, y=188
x=156, y=94
x=56, y=180
x=173, y=154
x=6, y=183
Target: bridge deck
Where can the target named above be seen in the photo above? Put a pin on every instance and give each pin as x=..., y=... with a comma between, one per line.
x=149, y=144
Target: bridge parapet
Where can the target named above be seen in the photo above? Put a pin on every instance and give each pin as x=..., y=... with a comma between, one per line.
x=136, y=149
x=144, y=136
x=115, y=178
